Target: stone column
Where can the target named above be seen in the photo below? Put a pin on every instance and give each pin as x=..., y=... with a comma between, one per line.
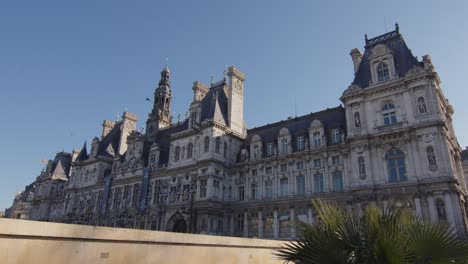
x=275, y=224
x=432, y=208
x=292, y=222
x=131, y=196
x=231, y=224
x=310, y=217
x=246, y=223
x=449, y=206
x=417, y=204
x=260, y=223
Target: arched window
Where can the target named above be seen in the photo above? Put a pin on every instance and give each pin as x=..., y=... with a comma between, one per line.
x=218, y=145
x=389, y=114
x=431, y=158
x=207, y=144
x=396, y=165
x=382, y=72
x=177, y=154
x=440, y=205
x=422, y=105
x=189, y=150
x=284, y=145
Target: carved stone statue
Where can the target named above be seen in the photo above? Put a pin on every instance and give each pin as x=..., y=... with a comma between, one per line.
x=357, y=120
x=431, y=158
x=362, y=167
x=421, y=106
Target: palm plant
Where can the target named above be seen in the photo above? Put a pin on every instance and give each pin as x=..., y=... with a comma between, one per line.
x=393, y=236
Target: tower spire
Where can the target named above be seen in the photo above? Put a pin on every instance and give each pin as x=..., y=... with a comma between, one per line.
x=160, y=115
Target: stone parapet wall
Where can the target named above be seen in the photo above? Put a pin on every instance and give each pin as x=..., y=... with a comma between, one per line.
x=24, y=241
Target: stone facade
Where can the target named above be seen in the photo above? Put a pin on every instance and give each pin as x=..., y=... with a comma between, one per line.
x=391, y=143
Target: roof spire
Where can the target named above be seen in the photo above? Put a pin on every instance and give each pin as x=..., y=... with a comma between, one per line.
x=397, y=27
x=365, y=37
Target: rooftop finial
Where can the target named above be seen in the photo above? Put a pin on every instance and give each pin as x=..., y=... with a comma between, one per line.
x=397, y=27
x=365, y=37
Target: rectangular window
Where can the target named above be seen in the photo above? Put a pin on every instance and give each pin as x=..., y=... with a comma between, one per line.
x=336, y=160
x=203, y=188
x=284, y=167
x=284, y=187
x=317, y=163
x=268, y=170
x=254, y=192
x=318, y=183
x=317, y=139
x=268, y=189
x=300, y=165
x=300, y=180
x=300, y=143
x=193, y=118
x=254, y=172
x=241, y=193
x=269, y=149
x=337, y=181
x=335, y=136
x=390, y=118
x=216, y=188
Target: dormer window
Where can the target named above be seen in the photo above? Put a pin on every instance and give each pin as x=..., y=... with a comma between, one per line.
x=269, y=149
x=193, y=118
x=300, y=143
x=335, y=136
x=284, y=146
x=389, y=114
x=317, y=139
x=382, y=72
x=256, y=152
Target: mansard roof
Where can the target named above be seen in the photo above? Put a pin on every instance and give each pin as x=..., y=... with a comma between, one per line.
x=113, y=139
x=299, y=126
x=402, y=56
x=83, y=153
x=214, y=105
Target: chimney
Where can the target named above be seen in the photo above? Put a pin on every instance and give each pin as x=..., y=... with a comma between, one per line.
x=129, y=121
x=107, y=126
x=357, y=57
x=75, y=153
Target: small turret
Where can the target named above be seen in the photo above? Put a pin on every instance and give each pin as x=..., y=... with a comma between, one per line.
x=160, y=115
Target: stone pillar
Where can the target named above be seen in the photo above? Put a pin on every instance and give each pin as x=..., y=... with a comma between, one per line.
x=432, y=208
x=310, y=217
x=260, y=223
x=275, y=224
x=231, y=224
x=385, y=205
x=449, y=207
x=246, y=223
x=131, y=196
x=417, y=204
x=292, y=221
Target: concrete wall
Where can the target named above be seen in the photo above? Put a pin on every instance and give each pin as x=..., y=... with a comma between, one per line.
x=24, y=241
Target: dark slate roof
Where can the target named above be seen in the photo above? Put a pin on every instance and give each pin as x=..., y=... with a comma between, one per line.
x=464, y=154
x=112, y=138
x=403, y=58
x=65, y=160
x=299, y=126
x=83, y=153
x=164, y=142
x=215, y=104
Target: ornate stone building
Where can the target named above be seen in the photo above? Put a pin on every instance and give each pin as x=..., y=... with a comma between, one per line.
x=392, y=141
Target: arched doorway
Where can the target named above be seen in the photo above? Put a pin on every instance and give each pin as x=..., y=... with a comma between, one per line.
x=177, y=223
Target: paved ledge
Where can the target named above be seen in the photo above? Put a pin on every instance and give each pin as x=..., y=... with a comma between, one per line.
x=24, y=241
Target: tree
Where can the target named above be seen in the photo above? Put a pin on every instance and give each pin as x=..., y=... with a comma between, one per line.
x=394, y=236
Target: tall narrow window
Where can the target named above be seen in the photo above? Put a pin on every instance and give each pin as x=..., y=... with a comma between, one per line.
x=284, y=185
x=241, y=193
x=337, y=181
x=422, y=105
x=254, y=191
x=177, y=153
x=389, y=114
x=203, y=188
x=269, y=149
x=206, y=144
x=256, y=151
x=335, y=136
x=396, y=165
x=189, y=150
x=300, y=181
x=218, y=145
x=382, y=72
x=225, y=149
x=317, y=139
x=300, y=143
x=268, y=189
x=318, y=183
x=193, y=118
x=284, y=146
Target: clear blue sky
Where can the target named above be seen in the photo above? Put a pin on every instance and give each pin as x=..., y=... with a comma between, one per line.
x=67, y=65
